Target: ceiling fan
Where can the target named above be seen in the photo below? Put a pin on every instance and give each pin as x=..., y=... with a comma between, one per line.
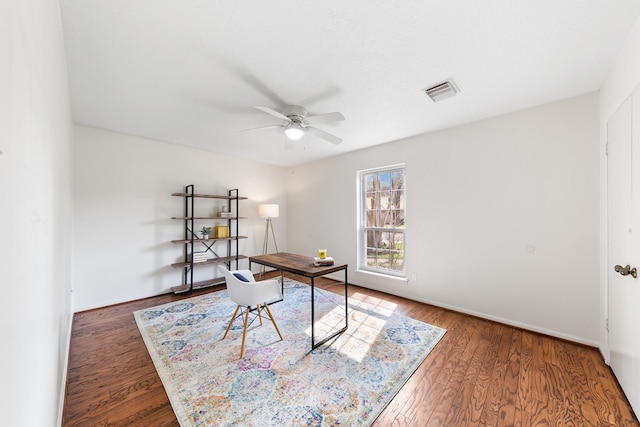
x=298, y=123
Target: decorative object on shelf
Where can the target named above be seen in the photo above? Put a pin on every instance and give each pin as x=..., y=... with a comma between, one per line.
x=322, y=253
x=205, y=232
x=224, y=213
x=222, y=231
x=327, y=260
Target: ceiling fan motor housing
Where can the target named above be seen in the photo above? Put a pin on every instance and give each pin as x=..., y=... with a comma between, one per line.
x=295, y=113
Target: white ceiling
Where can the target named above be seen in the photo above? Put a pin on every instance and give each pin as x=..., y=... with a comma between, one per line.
x=189, y=71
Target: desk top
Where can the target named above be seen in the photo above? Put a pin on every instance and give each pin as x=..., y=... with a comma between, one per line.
x=297, y=264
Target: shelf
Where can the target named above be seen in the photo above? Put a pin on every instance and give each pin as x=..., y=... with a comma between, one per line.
x=226, y=226
x=209, y=261
x=208, y=196
x=208, y=217
x=198, y=285
x=182, y=242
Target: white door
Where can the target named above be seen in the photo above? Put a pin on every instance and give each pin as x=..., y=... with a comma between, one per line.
x=623, y=208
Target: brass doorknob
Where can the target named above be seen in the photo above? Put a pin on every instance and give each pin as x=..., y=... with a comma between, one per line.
x=626, y=270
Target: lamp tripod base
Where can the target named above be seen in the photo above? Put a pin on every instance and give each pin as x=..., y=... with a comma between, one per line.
x=265, y=246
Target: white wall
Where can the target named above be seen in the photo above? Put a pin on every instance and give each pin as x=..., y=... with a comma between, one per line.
x=123, y=208
x=478, y=196
x=35, y=213
x=623, y=77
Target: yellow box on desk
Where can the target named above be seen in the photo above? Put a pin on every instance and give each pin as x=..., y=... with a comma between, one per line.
x=221, y=231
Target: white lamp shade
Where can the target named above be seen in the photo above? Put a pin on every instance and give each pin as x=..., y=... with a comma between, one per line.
x=294, y=131
x=269, y=211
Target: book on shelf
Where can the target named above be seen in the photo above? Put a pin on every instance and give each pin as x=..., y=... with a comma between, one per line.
x=199, y=257
x=322, y=261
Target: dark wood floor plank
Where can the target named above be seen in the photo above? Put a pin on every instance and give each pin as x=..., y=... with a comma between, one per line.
x=507, y=412
x=478, y=349
x=488, y=393
x=481, y=373
x=454, y=373
x=481, y=405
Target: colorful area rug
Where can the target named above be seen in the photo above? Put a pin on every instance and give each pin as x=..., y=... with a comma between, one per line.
x=348, y=381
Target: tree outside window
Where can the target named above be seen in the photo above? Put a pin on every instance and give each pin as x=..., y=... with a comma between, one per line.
x=383, y=220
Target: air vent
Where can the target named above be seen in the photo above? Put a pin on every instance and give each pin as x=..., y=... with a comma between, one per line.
x=443, y=90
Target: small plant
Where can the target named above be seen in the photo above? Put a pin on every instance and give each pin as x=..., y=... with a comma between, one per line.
x=205, y=231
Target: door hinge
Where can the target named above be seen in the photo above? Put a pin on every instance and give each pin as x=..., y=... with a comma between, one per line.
x=606, y=324
x=606, y=148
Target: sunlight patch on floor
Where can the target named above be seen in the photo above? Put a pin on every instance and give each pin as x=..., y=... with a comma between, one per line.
x=367, y=317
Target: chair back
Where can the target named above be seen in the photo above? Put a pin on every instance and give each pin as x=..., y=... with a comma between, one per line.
x=249, y=293
x=238, y=290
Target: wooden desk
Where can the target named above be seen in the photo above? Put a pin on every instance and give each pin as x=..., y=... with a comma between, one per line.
x=303, y=266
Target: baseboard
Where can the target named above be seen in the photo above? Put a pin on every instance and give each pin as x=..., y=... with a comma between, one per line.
x=515, y=324
x=509, y=322
x=121, y=301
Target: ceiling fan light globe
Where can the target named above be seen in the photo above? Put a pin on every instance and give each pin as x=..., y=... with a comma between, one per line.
x=294, y=132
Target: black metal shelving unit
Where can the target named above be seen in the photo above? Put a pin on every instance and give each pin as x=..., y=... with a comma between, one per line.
x=191, y=241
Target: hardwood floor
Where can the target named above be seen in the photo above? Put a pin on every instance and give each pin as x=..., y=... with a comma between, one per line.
x=481, y=373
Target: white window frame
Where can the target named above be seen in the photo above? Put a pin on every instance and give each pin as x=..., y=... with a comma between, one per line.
x=362, y=227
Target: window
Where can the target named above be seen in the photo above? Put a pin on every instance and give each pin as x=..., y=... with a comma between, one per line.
x=382, y=220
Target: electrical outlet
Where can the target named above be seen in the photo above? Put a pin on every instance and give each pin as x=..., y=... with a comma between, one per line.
x=414, y=277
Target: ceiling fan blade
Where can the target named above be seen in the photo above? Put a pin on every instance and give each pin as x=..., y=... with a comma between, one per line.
x=260, y=128
x=324, y=135
x=272, y=112
x=325, y=118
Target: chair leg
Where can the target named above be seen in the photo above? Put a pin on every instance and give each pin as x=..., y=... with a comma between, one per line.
x=273, y=319
x=244, y=332
x=231, y=322
x=259, y=314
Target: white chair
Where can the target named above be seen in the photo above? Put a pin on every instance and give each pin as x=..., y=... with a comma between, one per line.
x=248, y=293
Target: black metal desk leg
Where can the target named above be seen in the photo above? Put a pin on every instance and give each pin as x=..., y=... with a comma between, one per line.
x=346, y=301
x=313, y=318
